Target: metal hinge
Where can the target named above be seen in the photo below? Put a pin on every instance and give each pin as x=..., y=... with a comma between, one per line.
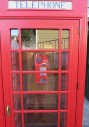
x=77, y=86
x=79, y=30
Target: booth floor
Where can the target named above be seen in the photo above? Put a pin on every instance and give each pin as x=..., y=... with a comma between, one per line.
x=86, y=114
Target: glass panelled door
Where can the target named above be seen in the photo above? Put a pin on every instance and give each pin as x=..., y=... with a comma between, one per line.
x=42, y=60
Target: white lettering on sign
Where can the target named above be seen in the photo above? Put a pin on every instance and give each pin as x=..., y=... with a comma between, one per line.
x=40, y=5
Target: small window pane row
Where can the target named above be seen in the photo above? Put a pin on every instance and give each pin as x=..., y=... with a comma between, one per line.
x=40, y=101
x=41, y=119
x=39, y=39
x=40, y=82
x=33, y=61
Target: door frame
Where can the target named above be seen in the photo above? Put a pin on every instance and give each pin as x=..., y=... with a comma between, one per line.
x=81, y=71
x=2, y=112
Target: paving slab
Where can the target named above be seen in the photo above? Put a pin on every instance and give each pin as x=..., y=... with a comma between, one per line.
x=86, y=113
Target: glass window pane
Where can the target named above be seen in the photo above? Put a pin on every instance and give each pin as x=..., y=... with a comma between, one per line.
x=40, y=82
x=39, y=39
x=41, y=120
x=64, y=82
x=17, y=120
x=48, y=59
x=65, y=61
x=65, y=39
x=63, y=119
x=15, y=61
x=41, y=101
x=16, y=82
x=14, y=39
x=63, y=101
x=17, y=101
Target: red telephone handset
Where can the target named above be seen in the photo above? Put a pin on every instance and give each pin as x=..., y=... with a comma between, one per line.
x=41, y=65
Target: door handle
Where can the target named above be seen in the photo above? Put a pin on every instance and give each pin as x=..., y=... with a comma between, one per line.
x=8, y=110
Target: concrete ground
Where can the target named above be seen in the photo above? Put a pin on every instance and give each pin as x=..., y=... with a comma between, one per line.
x=86, y=114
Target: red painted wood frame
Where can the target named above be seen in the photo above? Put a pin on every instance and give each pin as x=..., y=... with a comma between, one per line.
x=73, y=26
x=2, y=116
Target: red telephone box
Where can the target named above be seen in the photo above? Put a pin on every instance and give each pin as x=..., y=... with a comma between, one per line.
x=43, y=84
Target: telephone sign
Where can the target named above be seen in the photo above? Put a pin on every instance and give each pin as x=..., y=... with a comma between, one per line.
x=57, y=5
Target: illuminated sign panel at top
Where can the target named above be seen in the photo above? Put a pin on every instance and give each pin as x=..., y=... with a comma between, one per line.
x=56, y=5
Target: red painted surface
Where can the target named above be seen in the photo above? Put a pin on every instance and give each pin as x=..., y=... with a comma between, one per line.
x=73, y=20
x=73, y=27
x=2, y=116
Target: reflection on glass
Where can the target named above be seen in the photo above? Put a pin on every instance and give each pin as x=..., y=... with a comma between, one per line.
x=29, y=60
x=41, y=120
x=39, y=39
x=28, y=38
x=64, y=82
x=17, y=120
x=14, y=39
x=15, y=61
x=65, y=60
x=63, y=101
x=41, y=101
x=63, y=119
x=30, y=82
x=17, y=101
x=65, y=39
x=16, y=82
